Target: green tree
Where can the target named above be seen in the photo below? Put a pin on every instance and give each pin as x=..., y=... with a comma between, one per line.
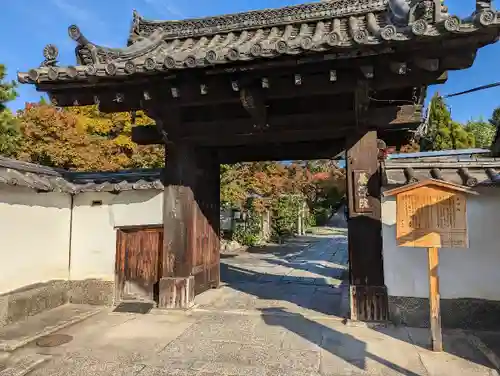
x=495, y=118
x=483, y=132
x=10, y=135
x=495, y=121
x=444, y=133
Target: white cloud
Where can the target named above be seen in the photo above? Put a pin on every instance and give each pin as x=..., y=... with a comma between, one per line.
x=77, y=13
x=165, y=8
x=86, y=19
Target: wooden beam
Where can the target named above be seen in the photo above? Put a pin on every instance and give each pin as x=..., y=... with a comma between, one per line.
x=302, y=135
x=319, y=83
x=146, y=135
x=375, y=118
x=323, y=149
x=285, y=128
x=221, y=89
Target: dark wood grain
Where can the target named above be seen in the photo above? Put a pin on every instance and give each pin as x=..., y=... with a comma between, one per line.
x=365, y=228
x=137, y=261
x=191, y=218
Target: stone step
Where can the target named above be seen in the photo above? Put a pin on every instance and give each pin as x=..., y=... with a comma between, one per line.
x=21, y=333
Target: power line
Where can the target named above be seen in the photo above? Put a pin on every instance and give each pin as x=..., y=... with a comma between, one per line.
x=483, y=87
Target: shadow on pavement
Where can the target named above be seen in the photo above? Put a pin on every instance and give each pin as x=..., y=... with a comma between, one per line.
x=289, y=248
x=326, y=300
x=322, y=299
x=342, y=345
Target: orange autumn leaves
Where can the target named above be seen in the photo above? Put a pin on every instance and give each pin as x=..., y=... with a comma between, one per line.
x=83, y=139
x=267, y=181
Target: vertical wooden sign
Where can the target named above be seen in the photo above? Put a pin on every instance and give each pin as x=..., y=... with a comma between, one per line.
x=361, y=202
x=432, y=214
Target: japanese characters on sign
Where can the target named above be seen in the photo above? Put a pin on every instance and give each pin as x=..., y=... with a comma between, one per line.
x=431, y=217
x=361, y=201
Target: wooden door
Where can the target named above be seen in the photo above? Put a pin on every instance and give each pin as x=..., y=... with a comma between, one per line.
x=138, y=263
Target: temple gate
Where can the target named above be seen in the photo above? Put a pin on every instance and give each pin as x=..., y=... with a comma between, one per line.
x=300, y=82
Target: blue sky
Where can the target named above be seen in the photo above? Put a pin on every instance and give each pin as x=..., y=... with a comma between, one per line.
x=28, y=25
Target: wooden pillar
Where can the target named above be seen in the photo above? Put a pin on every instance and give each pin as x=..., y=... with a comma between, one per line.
x=434, y=300
x=191, y=235
x=368, y=292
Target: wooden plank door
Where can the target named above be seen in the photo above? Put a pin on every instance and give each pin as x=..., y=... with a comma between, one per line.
x=137, y=264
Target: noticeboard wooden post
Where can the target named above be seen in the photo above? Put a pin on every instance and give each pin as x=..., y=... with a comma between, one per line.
x=432, y=214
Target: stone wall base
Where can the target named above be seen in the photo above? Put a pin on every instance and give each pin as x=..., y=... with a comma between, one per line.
x=467, y=313
x=176, y=293
x=33, y=299
x=92, y=291
x=30, y=300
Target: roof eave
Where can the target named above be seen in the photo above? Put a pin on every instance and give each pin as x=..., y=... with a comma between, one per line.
x=278, y=34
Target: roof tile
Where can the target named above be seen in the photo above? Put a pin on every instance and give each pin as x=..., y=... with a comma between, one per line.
x=319, y=27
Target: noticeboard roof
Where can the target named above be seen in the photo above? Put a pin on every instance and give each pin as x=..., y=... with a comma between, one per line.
x=430, y=182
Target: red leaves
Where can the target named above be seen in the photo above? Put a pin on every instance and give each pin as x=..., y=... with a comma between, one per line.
x=271, y=180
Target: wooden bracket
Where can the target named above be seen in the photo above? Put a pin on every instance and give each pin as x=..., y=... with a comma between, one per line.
x=166, y=117
x=361, y=104
x=252, y=100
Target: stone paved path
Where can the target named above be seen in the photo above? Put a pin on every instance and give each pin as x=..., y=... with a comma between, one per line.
x=266, y=320
x=303, y=276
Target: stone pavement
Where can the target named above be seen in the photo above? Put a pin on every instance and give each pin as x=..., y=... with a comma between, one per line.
x=304, y=275
x=260, y=323
x=273, y=343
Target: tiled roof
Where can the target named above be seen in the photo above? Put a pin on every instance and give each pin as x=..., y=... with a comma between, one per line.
x=336, y=29
x=46, y=179
x=480, y=171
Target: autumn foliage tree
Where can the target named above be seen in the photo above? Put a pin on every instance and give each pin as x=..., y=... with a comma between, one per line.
x=83, y=139
x=115, y=131
x=320, y=183
x=54, y=137
x=9, y=128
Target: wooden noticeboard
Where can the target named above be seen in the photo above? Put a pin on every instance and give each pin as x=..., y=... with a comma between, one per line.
x=432, y=214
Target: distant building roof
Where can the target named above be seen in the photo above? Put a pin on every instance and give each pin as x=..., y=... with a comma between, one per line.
x=440, y=153
x=463, y=153
x=471, y=172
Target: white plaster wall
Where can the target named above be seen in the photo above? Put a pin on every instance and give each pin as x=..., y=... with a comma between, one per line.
x=34, y=237
x=464, y=273
x=93, y=241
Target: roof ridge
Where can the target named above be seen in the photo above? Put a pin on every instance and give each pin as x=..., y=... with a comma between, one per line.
x=255, y=18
